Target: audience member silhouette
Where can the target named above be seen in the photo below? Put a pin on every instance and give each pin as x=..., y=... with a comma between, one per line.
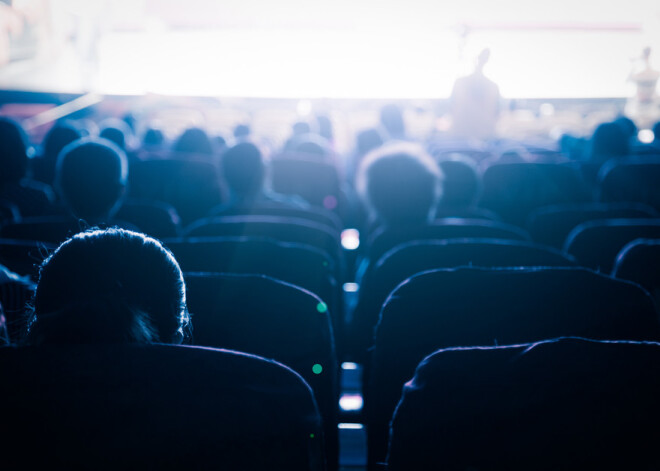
x=609, y=140
x=461, y=183
x=31, y=197
x=242, y=132
x=91, y=178
x=244, y=172
x=400, y=184
x=194, y=141
x=153, y=139
x=109, y=286
x=118, y=132
x=57, y=138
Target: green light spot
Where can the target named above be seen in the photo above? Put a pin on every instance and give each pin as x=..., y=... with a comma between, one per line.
x=321, y=307
x=311, y=435
x=325, y=263
x=317, y=369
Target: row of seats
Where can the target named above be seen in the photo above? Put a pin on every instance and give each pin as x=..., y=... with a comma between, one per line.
x=309, y=255
x=269, y=282
x=459, y=307
x=570, y=403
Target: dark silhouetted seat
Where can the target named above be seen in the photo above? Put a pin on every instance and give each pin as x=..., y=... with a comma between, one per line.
x=595, y=244
x=191, y=186
x=156, y=407
x=315, y=180
x=284, y=229
x=413, y=257
x=639, y=261
x=551, y=224
x=299, y=264
x=633, y=179
x=154, y=218
x=479, y=306
x=53, y=229
x=316, y=215
x=273, y=319
x=384, y=239
x=570, y=404
x=466, y=213
x=514, y=190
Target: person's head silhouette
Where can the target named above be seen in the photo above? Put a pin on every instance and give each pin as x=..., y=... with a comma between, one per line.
x=91, y=177
x=243, y=169
x=609, y=140
x=13, y=151
x=400, y=183
x=194, y=141
x=109, y=286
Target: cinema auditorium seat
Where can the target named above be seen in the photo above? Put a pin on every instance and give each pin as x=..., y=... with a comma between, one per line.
x=500, y=306
x=639, y=262
x=595, y=244
x=191, y=186
x=405, y=260
x=384, y=239
x=570, y=403
x=155, y=218
x=551, y=224
x=514, y=190
x=314, y=214
x=632, y=179
x=284, y=229
x=154, y=407
x=299, y=264
x=315, y=180
x=273, y=319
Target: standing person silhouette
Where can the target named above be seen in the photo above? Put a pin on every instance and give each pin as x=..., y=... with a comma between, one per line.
x=475, y=103
x=644, y=107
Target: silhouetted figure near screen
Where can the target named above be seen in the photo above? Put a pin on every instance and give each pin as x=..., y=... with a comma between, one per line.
x=644, y=107
x=109, y=286
x=57, y=138
x=475, y=103
x=31, y=197
x=400, y=184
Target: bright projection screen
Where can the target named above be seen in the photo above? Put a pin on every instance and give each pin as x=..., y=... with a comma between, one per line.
x=325, y=48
